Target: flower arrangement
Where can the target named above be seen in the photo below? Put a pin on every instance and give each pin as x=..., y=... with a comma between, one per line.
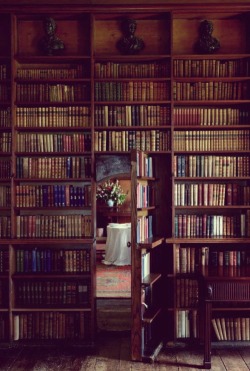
x=111, y=190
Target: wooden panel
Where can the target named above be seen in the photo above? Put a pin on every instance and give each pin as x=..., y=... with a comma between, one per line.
x=155, y=34
x=230, y=33
x=73, y=33
x=5, y=42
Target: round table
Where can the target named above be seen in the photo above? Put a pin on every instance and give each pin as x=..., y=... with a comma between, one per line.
x=117, y=250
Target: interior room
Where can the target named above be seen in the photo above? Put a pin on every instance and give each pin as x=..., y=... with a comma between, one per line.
x=124, y=185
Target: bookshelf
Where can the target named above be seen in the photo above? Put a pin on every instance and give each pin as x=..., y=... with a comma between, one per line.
x=210, y=217
x=148, y=203
x=52, y=251
x=131, y=93
x=5, y=174
x=89, y=105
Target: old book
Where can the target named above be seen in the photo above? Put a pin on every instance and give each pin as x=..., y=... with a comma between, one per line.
x=223, y=327
x=218, y=322
x=16, y=324
x=216, y=330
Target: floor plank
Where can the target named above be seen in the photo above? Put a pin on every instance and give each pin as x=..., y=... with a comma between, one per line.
x=232, y=360
x=112, y=353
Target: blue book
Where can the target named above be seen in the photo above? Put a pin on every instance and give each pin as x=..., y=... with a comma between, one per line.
x=48, y=260
x=62, y=196
x=56, y=195
x=26, y=261
x=68, y=167
x=34, y=260
x=150, y=226
x=44, y=196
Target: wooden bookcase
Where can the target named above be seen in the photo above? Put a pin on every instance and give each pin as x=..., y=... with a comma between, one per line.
x=60, y=113
x=5, y=173
x=148, y=207
x=210, y=214
x=132, y=93
x=51, y=245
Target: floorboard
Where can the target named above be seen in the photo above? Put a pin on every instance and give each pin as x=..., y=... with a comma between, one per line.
x=112, y=353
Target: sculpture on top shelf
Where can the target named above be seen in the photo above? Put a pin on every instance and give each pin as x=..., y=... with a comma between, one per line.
x=50, y=43
x=129, y=43
x=207, y=44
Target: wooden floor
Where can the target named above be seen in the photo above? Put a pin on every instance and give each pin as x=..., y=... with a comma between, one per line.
x=112, y=354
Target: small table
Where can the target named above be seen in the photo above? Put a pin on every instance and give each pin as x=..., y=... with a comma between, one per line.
x=118, y=244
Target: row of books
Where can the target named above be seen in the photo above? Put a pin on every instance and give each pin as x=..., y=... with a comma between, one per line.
x=53, y=167
x=211, y=194
x=45, y=142
x=5, y=227
x=231, y=328
x=3, y=328
x=53, y=226
x=188, y=258
x=51, y=325
x=4, y=261
x=144, y=228
x=204, y=140
x=52, y=261
x=53, y=117
x=4, y=93
x=51, y=92
x=4, y=295
x=145, y=140
x=210, y=116
x=3, y=72
x=5, y=195
x=187, y=324
x=211, y=166
x=5, y=169
x=5, y=120
x=213, y=90
x=210, y=67
x=5, y=142
x=187, y=293
x=212, y=226
x=70, y=72
x=144, y=165
x=136, y=115
x=47, y=293
x=135, y=70
x=227, y=258
x=145, y=195
x=52, y=195
x=132, y=91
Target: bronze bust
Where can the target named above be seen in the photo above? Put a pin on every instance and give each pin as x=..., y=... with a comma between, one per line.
x=207, y=43
x=130, y=44
x=50, y=43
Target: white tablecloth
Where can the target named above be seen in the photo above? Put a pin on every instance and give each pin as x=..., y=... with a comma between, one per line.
x=117, y=251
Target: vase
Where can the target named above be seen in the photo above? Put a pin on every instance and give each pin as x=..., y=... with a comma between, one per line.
x=110, y=203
